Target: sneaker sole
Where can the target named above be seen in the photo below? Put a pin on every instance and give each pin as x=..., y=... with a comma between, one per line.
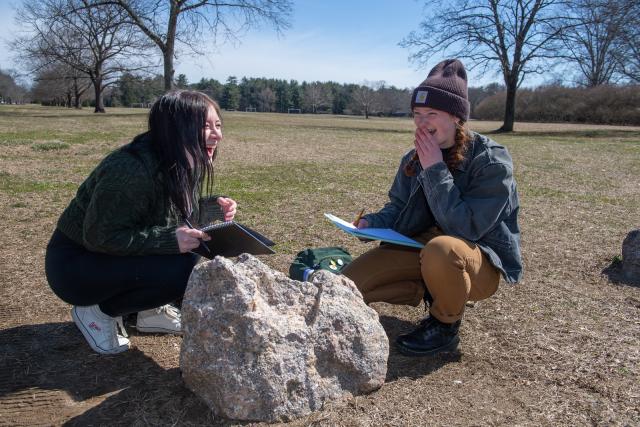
x=449, y=348
x=91, y=341
x=152, y=330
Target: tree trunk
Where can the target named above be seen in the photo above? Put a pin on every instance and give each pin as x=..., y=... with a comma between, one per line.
x=169, y=45
x=97, y=87
x=69, y=99
x=77, y=93
x=366, y=112
x=510, y=106
x=168, y=69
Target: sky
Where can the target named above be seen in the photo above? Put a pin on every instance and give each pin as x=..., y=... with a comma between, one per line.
x=346, y=41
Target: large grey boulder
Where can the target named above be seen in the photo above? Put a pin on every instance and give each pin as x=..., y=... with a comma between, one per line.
x=260, y=346
x=631, y=256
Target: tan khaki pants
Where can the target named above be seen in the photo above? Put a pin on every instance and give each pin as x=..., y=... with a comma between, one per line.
x=454, y=270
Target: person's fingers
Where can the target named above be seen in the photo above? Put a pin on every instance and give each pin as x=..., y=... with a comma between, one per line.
x=195, y=234
x=185, y=243
x=228, y=207
x=225, y=201
x=420, y=149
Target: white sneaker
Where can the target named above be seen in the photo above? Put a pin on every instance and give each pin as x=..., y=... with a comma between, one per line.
x=162, y=320
x=100, y=330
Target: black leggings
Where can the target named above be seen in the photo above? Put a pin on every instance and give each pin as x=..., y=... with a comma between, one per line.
x=120, y=285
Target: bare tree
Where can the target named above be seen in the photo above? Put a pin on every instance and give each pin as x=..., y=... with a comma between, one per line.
x=169, y=22
x=10, y=91
x=97, y=41
x=516, y=36
x=592, y=38
x=394, y=101
x=628, y=46
x=366, y=95
x=266, y=100
x=59, y=81
x=316, y=95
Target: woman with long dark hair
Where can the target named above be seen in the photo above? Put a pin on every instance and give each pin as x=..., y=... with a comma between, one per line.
x=123, y=244
x=454, y=192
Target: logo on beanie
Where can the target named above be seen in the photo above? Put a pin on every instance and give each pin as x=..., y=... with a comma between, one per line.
x=421, y=97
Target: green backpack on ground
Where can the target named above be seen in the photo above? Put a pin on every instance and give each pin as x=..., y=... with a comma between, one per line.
x=333, y=259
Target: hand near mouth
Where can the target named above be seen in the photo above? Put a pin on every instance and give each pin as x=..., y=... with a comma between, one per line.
x=427, y=147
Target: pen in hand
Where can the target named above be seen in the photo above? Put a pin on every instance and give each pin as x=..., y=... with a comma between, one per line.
x=202, y=245
x=358, y=218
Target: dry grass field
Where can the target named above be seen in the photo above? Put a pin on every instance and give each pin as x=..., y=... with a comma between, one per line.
x=560, y=348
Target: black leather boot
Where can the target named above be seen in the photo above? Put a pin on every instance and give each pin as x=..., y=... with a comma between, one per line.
x=429, y=338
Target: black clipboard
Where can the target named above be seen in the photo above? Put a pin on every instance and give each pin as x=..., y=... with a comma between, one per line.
x=230, y=239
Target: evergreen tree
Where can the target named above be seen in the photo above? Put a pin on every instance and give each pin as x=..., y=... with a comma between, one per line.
x=231, y=94
x=294, y=94
x=341, y=98
x=211, y=87
x=282, y=96
x=182, y=82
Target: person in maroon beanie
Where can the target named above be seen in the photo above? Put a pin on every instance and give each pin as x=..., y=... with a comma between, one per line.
x=455, y=192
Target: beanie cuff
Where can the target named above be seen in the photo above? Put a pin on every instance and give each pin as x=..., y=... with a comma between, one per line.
x=432, y=97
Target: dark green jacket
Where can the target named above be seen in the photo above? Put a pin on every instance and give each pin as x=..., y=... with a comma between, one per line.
x=122, y=208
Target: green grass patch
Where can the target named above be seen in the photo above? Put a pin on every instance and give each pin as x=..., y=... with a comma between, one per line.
x=50, y=146
x=259, y=186
x=13, y=185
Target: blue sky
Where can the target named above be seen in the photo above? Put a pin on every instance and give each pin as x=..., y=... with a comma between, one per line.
x=346, y=41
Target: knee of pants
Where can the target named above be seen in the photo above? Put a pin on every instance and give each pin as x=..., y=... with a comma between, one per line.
x=180, y=271
x=439, y=252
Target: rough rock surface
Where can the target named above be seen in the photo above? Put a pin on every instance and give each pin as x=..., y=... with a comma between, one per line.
x=631, y=256
x=260, y=346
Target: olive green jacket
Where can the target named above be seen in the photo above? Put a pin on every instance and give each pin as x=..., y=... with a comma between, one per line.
x=122, y=208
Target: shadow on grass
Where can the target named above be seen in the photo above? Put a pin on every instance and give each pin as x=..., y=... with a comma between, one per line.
x=401, y=366
x=616, y=275
x=54, y=356
x=130, y=387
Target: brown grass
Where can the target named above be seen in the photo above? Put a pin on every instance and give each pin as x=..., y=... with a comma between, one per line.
x=561, y=348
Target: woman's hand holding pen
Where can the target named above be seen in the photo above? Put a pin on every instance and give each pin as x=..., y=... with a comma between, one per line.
x=228, y=207
x=427, y=148
x=189, y=238
x=360, y=222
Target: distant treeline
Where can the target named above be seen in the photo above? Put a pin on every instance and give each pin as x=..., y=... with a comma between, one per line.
x=607, y=104
x=550, y=103
x=273, y=95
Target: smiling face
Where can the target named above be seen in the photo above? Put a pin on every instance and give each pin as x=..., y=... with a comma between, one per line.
x=212, y=131
x=438, y=123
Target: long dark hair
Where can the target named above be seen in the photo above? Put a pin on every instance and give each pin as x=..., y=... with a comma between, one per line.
x=176, y=126
x=455, y=155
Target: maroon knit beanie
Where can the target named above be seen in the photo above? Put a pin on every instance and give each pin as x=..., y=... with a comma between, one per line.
x=444, y=89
